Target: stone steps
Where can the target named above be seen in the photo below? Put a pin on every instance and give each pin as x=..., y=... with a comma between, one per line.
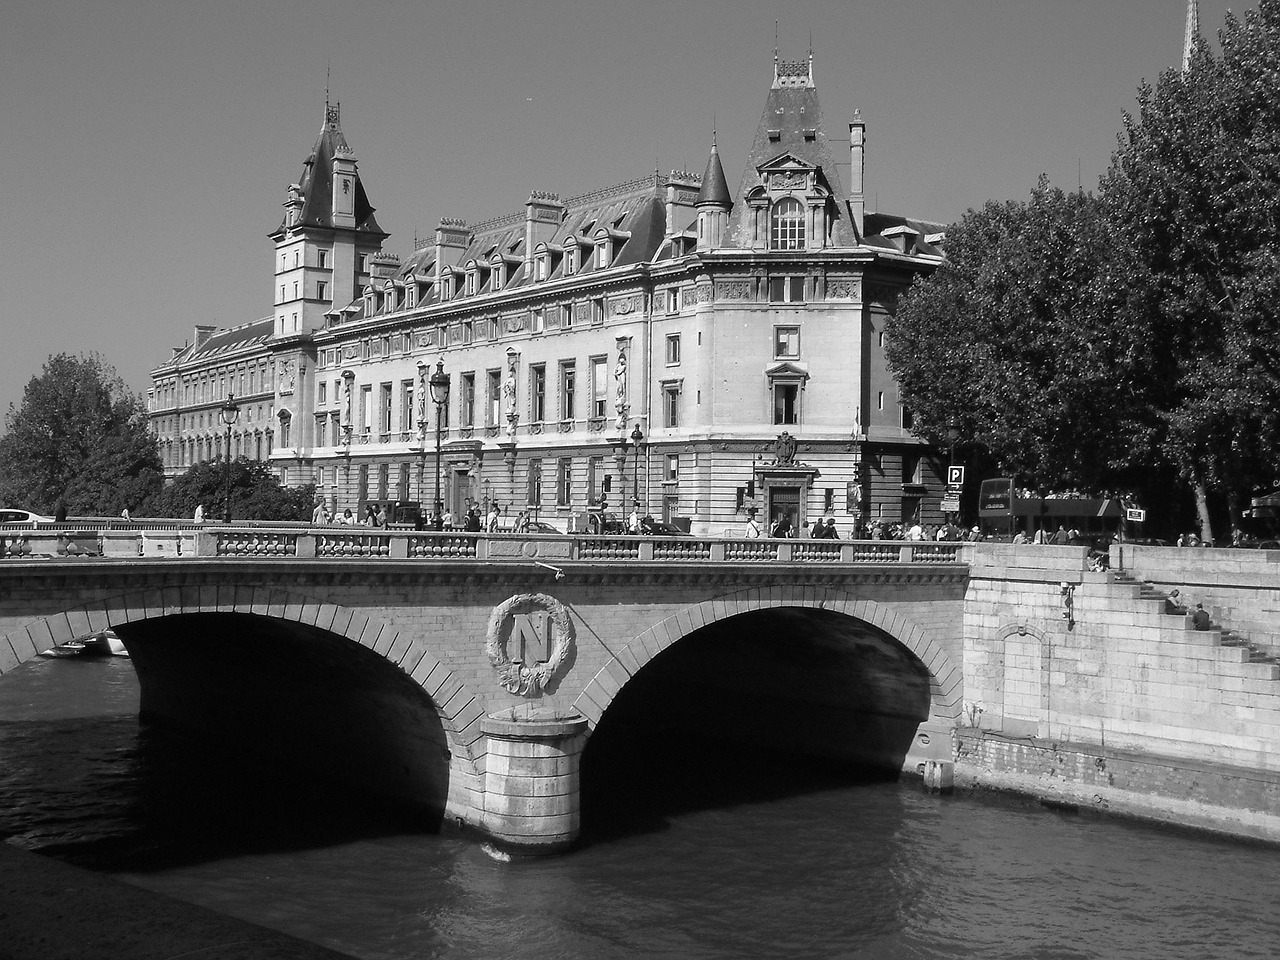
x=1243, y=651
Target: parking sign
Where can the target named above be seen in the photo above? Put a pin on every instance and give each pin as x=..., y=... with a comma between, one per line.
x=955, y=476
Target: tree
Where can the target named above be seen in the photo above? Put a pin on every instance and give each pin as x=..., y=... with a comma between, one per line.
x=256, y=493
x=1195, y=185
x=79, y=437
x=1029, y=339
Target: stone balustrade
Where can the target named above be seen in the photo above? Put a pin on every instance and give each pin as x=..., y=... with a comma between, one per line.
x=275, y=541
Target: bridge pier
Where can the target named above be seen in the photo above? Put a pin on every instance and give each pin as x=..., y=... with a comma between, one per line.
x=531, y=798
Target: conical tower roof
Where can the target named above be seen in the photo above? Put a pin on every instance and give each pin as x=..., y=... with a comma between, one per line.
x=317, y=179
x=715, y=188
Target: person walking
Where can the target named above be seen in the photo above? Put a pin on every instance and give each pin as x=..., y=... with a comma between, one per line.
x=829, y=531
x=491, y=522
x=753, y=526
x=318, y=514
x=198, y=516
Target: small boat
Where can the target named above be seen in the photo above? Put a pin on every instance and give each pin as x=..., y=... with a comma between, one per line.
x=72, y=648
x=103, y=644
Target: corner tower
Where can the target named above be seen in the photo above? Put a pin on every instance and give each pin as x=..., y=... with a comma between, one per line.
x=327, y=235
x=714, y=203
x=791, y=196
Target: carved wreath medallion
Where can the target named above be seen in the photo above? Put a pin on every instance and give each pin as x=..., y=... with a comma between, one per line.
x=528, y=679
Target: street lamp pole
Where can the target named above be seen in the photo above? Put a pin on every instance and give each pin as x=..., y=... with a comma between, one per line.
x=230, y=413
x=439, y=396
x=637, y=435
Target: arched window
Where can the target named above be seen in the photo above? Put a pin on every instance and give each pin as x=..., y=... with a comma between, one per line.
x=786, y=225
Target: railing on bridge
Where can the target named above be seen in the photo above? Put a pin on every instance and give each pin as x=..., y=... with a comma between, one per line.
x=293, y=542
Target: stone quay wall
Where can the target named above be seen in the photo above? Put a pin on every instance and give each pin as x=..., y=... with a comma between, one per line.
x=1061, y=662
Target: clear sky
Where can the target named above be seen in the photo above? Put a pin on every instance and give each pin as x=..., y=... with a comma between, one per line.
x=146, y=145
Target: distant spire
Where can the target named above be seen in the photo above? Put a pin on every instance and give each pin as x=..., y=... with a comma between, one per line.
x=1190, y=33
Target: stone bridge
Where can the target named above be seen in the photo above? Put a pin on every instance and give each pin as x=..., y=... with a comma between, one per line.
x=466, y=674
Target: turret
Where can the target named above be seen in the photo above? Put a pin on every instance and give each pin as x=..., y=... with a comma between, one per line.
x=714, y=203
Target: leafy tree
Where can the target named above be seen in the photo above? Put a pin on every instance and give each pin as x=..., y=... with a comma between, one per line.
x=256, y=493
x=1029, y=339
x=1196, y=185
x=79, y=437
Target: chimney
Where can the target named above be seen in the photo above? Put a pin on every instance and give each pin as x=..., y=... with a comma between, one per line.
x=857, y=196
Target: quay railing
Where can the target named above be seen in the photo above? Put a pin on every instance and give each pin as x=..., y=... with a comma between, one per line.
x=185, y=540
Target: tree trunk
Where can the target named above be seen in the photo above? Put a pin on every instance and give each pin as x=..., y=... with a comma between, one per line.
x=1235, y=513
x=1202, y=508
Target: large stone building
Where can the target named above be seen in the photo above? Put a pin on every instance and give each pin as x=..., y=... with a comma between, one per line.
x=693, y=347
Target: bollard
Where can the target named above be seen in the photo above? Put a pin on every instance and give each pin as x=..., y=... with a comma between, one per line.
x=939, y=776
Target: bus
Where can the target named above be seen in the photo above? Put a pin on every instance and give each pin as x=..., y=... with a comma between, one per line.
x=1003, y=512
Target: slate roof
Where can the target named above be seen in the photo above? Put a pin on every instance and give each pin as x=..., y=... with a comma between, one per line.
x=715, y=188
x=317, y=180
x=224, y=340
x=792, y=123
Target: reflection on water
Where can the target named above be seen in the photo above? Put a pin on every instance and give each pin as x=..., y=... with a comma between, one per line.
x=743, y=858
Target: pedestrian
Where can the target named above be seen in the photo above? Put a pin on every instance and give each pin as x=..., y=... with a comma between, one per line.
x=60, y=514
x=198, y=516
x=317, y=515
x=1020, y=537
x=633, y=519
x=522, y=522
x=348, y=518
x=495, y=514
x=419, y=520
x=370, y=518
x=380, y=518
x=818, y=531
x=1200, y=619
x=1060, y=538
x=829, y=531
x=124, y=515
x=781, y=527
x=472, y=523
x=446, y=521
x=753, y=526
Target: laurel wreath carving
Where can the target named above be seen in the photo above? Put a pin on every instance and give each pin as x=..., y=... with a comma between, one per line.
x=522, y=680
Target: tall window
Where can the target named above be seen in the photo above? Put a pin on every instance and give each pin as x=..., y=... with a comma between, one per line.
x=786, y=225
x=406, y=407
x=568, y=388
x=597, y=310
x=535, y=482
x=384, y=480
x=366, y=408
x=599, y=387
x=495, y=397
x=402, y=482
x=384, y=409
x=468, y=410
x=564, y=482
x=671, y=406
x=538, y=393
x=785, y=406
x=673, y=349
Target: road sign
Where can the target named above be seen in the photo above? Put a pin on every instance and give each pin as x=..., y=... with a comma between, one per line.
x=1135, y=514
x=955, y=476
x=951, y=504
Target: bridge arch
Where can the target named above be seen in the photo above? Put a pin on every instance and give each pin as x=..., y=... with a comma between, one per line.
x=945, y=678
x=459, y=710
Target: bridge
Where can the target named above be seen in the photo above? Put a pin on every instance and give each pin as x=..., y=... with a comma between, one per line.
x=473, y=675
x=466, y=673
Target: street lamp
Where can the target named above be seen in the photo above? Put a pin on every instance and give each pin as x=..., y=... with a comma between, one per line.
x=637, y=435
x=439, y=385
x=230, y=413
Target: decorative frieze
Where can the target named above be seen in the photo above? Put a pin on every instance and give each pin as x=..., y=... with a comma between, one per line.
x=733, y=289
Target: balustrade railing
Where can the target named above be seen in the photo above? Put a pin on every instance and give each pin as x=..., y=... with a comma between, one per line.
x=177, y=539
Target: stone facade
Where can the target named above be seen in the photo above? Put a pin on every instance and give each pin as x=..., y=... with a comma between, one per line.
x=709, y=321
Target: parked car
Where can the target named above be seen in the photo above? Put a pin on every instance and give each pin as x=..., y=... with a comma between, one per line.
x=12, y=515
x=660, y=528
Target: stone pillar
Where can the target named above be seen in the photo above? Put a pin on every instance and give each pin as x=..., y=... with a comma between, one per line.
x=531, y=782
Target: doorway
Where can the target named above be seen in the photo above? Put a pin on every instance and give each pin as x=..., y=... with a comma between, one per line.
x=784, y=502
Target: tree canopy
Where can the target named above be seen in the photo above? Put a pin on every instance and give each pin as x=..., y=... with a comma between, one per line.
x=1104, y=340
x=256, y=493
x=79, y=438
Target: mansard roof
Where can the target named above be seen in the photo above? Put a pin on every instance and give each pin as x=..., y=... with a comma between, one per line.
x=926, y=236
x=220, y=341
x=317, y=180
x=792, y=123
x=631, y=214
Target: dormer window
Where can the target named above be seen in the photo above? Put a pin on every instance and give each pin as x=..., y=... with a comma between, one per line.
x=570, y=259
x=472, y=278
x=787, y=225
x=498, y=275
x=603, y=252
x=540, y=265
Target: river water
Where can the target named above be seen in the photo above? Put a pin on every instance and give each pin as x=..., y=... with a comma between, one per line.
x=696, y=865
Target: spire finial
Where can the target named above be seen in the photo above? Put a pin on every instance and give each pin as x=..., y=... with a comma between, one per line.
x=326, y=81
x=1190, y=33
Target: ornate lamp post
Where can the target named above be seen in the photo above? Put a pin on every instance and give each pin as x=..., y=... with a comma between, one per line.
x=637, y=437
x=230, y=413
x=439, y=385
